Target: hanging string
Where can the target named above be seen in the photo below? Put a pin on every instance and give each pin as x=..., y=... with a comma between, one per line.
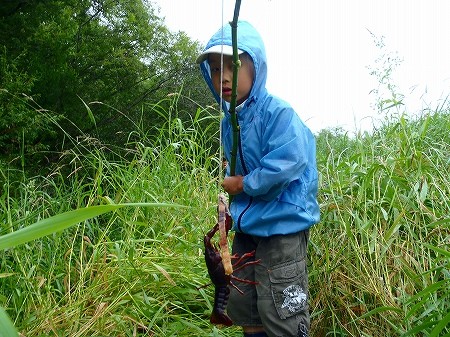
x=221, y=156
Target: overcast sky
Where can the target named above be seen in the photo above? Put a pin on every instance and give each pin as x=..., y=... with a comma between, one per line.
x=319, y=51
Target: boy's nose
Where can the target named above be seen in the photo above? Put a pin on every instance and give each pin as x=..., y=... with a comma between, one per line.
x=226, y=76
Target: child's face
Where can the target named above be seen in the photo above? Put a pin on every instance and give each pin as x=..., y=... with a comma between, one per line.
x=245, y=76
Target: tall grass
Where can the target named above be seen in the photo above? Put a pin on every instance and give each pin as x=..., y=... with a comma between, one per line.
x=133, y=272
x=379, y=261
x=380, y=253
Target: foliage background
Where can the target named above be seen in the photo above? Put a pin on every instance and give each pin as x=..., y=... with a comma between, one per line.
x=117, y=57
x=101, y=104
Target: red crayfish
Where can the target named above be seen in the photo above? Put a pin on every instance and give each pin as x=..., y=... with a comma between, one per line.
x=220, y=268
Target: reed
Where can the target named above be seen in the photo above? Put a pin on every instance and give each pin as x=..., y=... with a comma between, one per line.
x=379, y=258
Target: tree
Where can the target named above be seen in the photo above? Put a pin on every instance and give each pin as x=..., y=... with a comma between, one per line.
x=68, y=53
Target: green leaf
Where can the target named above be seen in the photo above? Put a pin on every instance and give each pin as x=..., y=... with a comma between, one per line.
x=423, y=294
x=443, y=323
x=438, y=250
x=418, y=328
x=6, y=326
x=443, y=222
x=378, y=310
x=65, y=220
x=423, y=191
x=89, y=111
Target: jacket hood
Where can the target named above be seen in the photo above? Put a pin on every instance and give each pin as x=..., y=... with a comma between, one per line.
x=249, y=41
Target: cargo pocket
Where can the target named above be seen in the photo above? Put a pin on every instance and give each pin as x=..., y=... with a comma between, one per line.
x=289, y=287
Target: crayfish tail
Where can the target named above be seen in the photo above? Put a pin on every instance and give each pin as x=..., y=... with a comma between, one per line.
x=218, y=315
x=220, y=318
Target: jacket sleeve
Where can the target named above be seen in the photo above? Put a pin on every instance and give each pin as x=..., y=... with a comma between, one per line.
x=285, y=142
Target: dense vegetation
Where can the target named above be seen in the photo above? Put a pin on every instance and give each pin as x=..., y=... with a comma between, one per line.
x=383, y=242
x=379, y=259
x=56, y=57
x=87, y=119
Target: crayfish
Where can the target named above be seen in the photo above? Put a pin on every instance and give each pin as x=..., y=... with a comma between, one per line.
x=219, y=265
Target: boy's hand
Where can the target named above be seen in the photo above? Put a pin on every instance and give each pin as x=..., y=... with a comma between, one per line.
x=233, y=184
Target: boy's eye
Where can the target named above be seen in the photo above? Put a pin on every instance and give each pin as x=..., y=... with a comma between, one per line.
x=215, y=69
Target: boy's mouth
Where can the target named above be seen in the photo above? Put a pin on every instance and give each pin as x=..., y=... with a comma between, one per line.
x=226, y=91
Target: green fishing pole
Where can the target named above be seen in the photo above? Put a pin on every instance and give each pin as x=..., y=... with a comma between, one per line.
x=232, y=110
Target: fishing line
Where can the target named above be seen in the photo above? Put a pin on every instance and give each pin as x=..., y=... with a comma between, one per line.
x=221, y=112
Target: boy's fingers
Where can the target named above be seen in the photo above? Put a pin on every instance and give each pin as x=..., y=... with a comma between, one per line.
x=233, y=185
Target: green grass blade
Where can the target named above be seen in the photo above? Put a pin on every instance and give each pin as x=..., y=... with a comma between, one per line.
x=377, y=311
x=443, y=323
x=444, y=252
x=90, y=114
x=65, y=220
x=414, y=331
x=6, y=326
x=428, y=290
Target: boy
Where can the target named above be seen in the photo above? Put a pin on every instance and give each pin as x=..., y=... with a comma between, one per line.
x=274, y=189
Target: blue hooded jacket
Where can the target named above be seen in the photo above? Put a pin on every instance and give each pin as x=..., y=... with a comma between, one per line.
x=276, y=152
